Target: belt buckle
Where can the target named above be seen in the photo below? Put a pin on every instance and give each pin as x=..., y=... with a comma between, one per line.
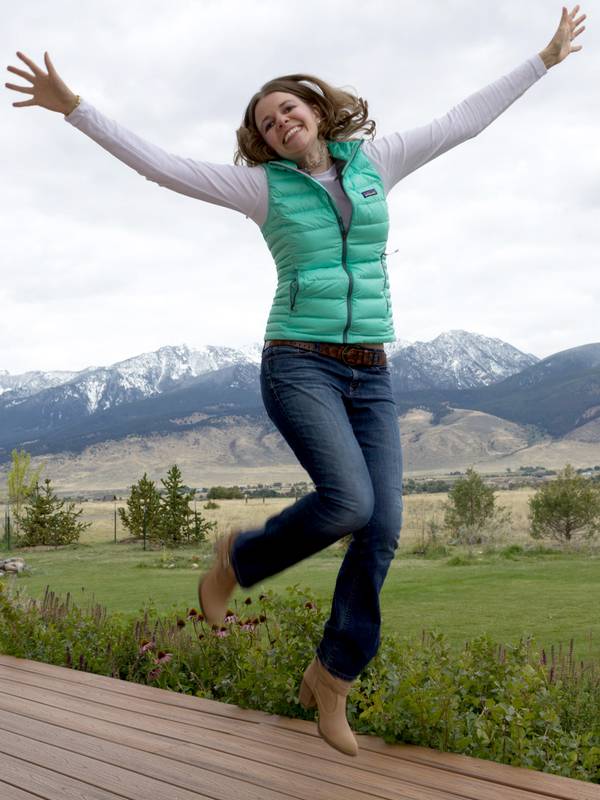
x=346, y=348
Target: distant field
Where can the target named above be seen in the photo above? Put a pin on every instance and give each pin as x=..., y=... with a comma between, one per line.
x=554, y=597
x=234, y=514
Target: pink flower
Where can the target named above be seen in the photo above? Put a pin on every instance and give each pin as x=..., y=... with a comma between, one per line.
x=145, y=646
x=153, y=674
x=163, y=658
x=222, y=632
x=231, y=617
x=248, y=626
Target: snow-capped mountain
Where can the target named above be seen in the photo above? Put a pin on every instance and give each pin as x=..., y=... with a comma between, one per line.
x=176, y=389
x=457, y=360
x=100, y=388
x=29, y=383
x=157, y=372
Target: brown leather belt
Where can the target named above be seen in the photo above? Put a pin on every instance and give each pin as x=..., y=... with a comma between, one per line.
x=355, y=355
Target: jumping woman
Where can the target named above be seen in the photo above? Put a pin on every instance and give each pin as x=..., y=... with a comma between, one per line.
x=310, y=174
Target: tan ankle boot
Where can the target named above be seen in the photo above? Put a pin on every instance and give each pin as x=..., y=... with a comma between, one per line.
x=216, y=587
x=322, y=689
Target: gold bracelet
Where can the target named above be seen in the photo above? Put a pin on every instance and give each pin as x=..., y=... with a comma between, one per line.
x=78, y=98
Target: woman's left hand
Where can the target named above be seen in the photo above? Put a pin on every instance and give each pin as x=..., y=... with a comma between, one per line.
x=560, y=46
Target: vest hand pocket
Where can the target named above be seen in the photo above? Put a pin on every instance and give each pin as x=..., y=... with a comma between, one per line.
x=386, y=281
x=293, y=291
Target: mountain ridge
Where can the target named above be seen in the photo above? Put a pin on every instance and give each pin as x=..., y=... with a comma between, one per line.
x=174, y=389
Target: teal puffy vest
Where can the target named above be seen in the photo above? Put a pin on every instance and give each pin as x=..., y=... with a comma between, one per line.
x=332, y=284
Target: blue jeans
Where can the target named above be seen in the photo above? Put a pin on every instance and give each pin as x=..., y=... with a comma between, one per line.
x=342, y=424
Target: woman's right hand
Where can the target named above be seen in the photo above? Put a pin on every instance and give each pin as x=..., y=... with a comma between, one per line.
x=48, y=90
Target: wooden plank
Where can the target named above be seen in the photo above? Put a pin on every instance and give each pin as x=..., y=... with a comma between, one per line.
x=122, y=782
x=140, y=690
x=50, y=785
x=372, y=772
x=277, y=731
x=263, y=731
x=373, y=769
x=317, y=778
x=8, y=792
x=503, y=775
x=259, y=780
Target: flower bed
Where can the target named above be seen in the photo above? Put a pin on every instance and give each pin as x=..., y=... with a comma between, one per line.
x=510, y=704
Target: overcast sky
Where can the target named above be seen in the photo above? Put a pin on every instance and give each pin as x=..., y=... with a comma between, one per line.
x=500, y=236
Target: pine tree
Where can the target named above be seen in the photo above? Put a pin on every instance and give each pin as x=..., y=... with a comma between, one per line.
x=46, y=521
x=144, y=498
x=175, y=512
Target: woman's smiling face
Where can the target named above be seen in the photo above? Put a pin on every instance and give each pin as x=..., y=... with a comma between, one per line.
x=287, y=124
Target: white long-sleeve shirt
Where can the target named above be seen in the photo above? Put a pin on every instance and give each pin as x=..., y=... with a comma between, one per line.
x=245, y=189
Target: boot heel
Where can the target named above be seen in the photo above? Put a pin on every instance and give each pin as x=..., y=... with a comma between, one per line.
x=306, y=697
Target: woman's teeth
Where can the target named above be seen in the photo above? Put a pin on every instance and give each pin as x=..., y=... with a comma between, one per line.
x=291, y=133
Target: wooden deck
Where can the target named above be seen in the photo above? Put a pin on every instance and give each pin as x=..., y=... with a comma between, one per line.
x=66, y=734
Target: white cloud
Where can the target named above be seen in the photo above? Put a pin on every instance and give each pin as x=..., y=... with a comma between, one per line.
x=499, y=236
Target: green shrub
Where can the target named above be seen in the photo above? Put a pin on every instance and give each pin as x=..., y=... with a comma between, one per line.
x=512, y=551
x=471, y=515
x=47, y=520
x=565, y=508
x=505, y=703
x=225, y=493
x=464, y=560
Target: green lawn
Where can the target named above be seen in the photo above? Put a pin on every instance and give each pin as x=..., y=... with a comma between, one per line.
x=553, y=597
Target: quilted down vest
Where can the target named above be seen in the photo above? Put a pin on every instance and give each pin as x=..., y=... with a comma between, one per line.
x=332, y=283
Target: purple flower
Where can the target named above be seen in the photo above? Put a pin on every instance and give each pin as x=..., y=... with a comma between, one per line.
x=145, y=646
x=221, y=633
x=163, y=658
x=154, y=673
x=248, y=625
x=231, y=617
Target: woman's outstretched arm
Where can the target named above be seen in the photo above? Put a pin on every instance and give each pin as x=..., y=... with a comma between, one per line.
x=242, y=189
x=399, y=154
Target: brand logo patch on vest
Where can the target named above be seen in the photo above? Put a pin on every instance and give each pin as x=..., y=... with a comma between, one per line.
x=369, y=192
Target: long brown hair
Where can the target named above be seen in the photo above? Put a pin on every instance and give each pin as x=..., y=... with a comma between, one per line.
x=342, y=114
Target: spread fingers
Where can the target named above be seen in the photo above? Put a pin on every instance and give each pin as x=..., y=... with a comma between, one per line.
x=25, y=89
